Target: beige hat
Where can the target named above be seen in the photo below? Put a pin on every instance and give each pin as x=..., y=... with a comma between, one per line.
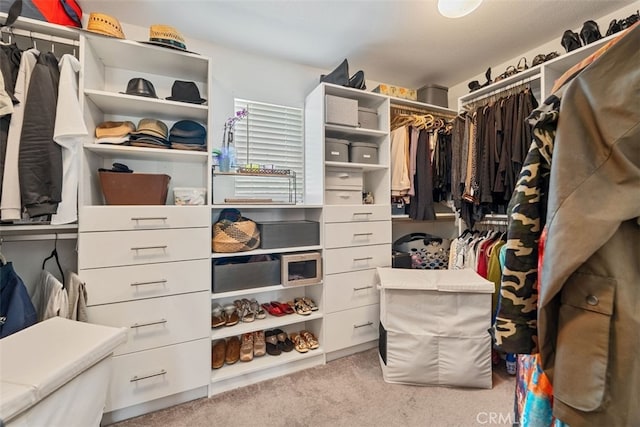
x=167, y=36
x=114, y=129
x=104, y=24
x=152, y=127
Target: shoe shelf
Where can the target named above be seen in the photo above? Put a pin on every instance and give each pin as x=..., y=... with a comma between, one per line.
x=261, y=363
x=269, y=322
x=255, y=291
x=267, y=251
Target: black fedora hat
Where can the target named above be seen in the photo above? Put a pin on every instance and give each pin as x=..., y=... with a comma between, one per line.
x=140, y=87
x=185, y=92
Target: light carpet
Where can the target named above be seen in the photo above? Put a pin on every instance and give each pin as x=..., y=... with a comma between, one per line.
x=346, y=392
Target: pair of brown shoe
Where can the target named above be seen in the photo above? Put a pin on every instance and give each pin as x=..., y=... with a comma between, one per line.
x=225, y=351
x=253, y=344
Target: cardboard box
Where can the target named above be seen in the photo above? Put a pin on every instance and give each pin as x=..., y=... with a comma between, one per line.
x=397, y=91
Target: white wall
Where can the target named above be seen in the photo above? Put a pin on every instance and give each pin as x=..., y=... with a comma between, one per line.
x=553, y=44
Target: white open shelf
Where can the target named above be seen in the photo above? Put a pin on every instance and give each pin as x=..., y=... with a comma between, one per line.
x=340, y=131
x=161, y=109
x=267, y=251
x=253, y=291
x=146, y=153
x=359, y=166
x=261, y=363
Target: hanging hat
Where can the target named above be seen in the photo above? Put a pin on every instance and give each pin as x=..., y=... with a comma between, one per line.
x=185, y=92
x=140, y=87
x=104, y=24
x=166, y=36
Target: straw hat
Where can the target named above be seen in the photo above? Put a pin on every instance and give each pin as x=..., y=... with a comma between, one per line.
x=104, y=24
x=166, y=36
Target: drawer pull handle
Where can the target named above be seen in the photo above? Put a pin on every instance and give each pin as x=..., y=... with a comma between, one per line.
x=153, y=282
x=363, y=288
x=344, y=175
x=363, y=325
x=149, y=218
x=344, y=195
x=143, y=248
x=141, y=325
x=363, y=259
x=361, y=234
x=144, y=377
x=362, y=213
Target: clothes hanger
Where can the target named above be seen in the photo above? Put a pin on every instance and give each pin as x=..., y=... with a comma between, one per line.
x=54, y=255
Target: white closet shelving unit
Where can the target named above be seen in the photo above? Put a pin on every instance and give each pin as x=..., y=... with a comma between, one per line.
x=357, y=237
x=260, y=368
x=146, y=268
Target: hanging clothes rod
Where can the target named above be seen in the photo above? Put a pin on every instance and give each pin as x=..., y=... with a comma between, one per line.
x=488, y=97
x=40, y=36
x=407, y=109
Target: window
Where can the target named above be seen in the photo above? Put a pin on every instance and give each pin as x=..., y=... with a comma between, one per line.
x=269, y=135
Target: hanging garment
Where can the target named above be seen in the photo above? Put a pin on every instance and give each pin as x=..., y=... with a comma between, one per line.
x=10, y=204
x=50, y=297
x=77, y=293
x=588, y=310
x=70, y=133
x=399, y=173
x=421, y=207
x=40, y=159
x=16, y=309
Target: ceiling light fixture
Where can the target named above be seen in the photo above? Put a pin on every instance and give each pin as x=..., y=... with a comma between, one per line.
x=457, y=8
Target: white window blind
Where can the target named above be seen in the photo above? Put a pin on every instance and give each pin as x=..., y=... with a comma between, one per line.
x=269, y=135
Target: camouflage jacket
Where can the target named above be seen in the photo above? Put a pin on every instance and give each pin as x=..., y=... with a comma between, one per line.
x=515, y=327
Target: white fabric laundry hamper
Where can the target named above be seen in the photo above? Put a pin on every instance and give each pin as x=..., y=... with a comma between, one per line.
x=434, y=327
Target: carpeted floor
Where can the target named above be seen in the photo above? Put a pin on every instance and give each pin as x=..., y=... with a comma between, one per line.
x=345, y=392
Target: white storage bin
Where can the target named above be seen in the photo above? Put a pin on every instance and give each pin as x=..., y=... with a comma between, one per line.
x=341, y=111
x=434, y=327
x=363, y=152
x=368, y=118
x=336, y=150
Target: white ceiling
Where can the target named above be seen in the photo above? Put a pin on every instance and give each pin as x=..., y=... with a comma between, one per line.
x=402, y=42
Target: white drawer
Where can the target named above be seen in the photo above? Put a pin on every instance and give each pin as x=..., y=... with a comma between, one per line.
x=344, y=234
x=152, y=374
x=350, y=290
x=111, y=218
x=157, y=322
x=359, y=212
x=118, y=248
x=352, y=327
x=342, y=197
x=357, y=258
x=336, y=179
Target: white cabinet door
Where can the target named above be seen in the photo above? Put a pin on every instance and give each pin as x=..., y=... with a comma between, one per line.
x=345, y=234
x=351, y=327
x=350, y=290
x=152, y=374
x=357, y=213
x=156, y=322
x=118, y=248
x=357, y=258
x=117, y=284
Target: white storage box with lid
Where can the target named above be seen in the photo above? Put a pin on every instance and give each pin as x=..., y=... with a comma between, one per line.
x=434, y=327
x=57, y=373
x=341, y=111
x=368, y=118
